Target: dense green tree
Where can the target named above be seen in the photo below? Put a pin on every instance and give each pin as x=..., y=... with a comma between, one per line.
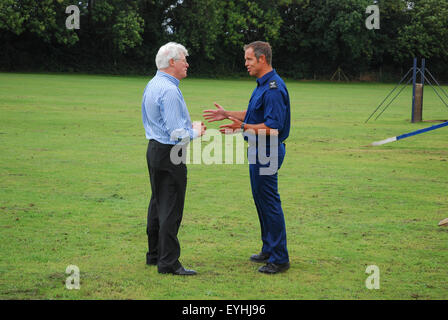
x=247, y=21
x=426, y=32
x=44, y=19
x=154, y=33
x=214, y=29
x=309, y=37
x=244, y=22
x=197, y=24
x=318, y=36
x=393, y=16
x=116, y=25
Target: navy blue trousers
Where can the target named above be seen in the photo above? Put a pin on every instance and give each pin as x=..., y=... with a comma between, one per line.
x=270, y=212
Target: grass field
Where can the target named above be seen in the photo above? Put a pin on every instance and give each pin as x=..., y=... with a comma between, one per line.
x=74, y=190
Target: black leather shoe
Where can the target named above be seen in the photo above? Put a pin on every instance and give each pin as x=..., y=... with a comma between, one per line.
x=181, y=272
x=272, y=268
x=260, y=258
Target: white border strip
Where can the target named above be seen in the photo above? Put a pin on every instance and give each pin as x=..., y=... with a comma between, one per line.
x=378, y=143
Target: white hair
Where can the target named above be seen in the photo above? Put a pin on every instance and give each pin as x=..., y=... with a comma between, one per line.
x=171, y=50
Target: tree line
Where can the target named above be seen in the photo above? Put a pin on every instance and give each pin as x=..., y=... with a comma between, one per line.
x=311, y=39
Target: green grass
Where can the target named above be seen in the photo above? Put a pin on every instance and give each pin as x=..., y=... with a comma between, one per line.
x=74, y=189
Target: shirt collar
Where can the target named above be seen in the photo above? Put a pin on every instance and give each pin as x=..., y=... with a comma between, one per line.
x=261, y=81
x=168, y=76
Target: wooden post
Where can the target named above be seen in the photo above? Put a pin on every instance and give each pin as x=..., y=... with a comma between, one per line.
x=417, y=110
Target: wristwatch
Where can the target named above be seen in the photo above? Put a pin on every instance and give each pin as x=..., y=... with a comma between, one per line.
x=242, y=126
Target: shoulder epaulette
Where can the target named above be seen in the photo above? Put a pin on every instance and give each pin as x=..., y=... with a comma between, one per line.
x=273, y=84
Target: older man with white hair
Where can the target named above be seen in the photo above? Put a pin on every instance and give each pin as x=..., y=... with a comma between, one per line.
x=167, y=123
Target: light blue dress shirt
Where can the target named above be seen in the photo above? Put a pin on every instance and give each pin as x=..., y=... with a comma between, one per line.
x=164, y=111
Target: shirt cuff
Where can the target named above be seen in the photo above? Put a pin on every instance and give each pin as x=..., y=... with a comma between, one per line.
x=180, y=135
x=193, y=134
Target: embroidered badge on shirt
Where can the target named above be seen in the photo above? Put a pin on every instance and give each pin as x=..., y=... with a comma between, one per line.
x=273, y=85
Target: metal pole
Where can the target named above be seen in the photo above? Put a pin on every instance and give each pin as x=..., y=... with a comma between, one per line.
x=410, y=134
x=387, y=106
x=446, y=105
x=422, y=77
x=436, y=83
x=388, y=95
x=414, y=78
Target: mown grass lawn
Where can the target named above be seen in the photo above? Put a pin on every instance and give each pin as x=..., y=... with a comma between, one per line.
x=74, y=190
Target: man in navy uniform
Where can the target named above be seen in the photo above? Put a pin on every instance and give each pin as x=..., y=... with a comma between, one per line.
x=267, y=121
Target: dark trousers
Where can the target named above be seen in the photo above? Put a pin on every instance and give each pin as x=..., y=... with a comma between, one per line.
x=168, y=186
x=269, y=209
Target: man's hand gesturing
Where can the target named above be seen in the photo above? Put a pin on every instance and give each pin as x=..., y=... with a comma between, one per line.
x=215, y=114
x=230, y=128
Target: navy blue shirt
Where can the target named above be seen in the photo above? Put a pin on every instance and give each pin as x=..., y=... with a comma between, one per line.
x=269, y=104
